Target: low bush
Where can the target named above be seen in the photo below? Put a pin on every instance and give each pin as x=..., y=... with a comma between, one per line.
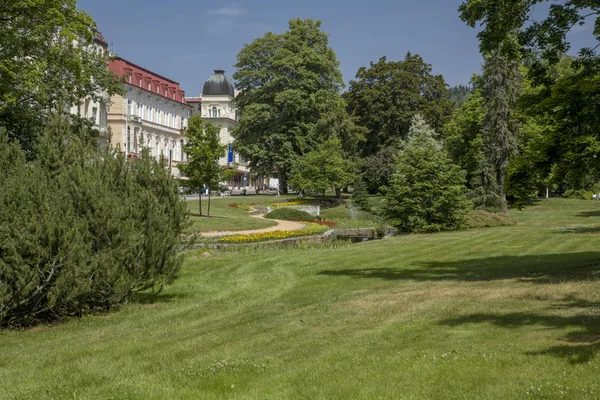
x=289, y=214
x=82, y=229
x=485, y=219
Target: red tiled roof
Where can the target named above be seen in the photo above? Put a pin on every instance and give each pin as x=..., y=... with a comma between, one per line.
x=158, y=83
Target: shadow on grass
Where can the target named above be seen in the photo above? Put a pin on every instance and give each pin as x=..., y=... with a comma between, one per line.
x=550, y=268
x=157, y=298
x=580, y=229
x=580, y=345
x=589, y=214
x=204, y=216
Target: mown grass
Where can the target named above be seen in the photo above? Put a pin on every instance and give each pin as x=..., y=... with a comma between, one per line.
x=224, y=218
x=506, y=312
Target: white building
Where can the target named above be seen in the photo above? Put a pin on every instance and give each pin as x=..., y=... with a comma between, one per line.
x=96, y=109
x=216, y=105
x=151, y=114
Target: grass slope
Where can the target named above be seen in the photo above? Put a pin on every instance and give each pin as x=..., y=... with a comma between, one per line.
x=507, y=312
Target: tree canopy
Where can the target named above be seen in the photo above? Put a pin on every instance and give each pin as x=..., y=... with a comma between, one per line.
x=287, y=82
x=386, y=95
x=47, y=61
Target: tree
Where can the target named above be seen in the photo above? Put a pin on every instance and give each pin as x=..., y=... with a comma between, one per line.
x=500, y=47
x=387, y=95
x=427, y=192
x=323, y=169
x=464, y=135
x=460, y=94
x=46, y=61
x=203, y=149
x=286, y=82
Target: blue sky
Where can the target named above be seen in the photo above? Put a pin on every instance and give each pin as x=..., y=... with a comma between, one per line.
x=185, y=40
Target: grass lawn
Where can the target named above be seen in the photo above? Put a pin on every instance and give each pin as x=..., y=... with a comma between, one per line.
x=224, y=218
x=498, y=313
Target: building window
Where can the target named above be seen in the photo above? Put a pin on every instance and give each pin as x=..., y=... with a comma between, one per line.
x=149, y=85
x=128, y=107
x=214, y=112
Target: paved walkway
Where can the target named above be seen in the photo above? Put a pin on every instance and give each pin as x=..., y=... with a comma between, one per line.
x=281, y=226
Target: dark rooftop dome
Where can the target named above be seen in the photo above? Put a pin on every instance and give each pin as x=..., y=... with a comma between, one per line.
x=218, y=85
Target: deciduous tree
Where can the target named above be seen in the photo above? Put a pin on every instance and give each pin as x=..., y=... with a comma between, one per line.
x=287, y=82
x=203, y=149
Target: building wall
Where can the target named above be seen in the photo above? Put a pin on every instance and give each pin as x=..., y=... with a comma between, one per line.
x=147, y=118
x=95, y=110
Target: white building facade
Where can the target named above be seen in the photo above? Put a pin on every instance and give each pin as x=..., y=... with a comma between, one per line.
x=151, y=114
x=96, y=109
x=216, y=105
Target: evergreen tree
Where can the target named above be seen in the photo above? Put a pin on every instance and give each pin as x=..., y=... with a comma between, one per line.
x=502, y=87
x=427, y=192
x=81, y=228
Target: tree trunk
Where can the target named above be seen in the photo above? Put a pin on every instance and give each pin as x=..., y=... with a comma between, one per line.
x=338, y=193
x=208, y=212
x=200, y=201
x=282, y=181
x=346, y=189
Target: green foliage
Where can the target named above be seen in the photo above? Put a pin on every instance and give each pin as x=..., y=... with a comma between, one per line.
x=378, y=169
x=387, y=95
x=485, y=219
x=501, y=89
x=460, y=94
x=81, y=229
x=47, y=59
x=323, y=169
x=204, y=149
x=360, y=196
x=287, y=83
x=464, y=135
x=427, y=192
x=289, y=214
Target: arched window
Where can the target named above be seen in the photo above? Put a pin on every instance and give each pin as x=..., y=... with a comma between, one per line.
x=214, y=112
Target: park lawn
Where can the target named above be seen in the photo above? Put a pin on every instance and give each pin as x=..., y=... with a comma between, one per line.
x=508, y=312
x=224, y=218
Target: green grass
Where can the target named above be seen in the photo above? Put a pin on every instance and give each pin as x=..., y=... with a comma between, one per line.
x=224, y=218
x=498, y=313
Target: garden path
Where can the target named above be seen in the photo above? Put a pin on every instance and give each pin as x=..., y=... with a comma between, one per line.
x=281, y=226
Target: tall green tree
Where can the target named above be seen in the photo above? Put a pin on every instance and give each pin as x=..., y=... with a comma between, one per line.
x=287, y=82
x=463, y=135
x=386, y=95
x=427, y=192
x=47, y=60
x=498, y=42
x=323, y=169
x=203, y=149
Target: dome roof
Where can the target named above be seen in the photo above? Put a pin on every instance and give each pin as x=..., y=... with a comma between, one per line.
x=218, y=85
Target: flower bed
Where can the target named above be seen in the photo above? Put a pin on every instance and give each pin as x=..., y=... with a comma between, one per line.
x=298, y=202
x=310, y=229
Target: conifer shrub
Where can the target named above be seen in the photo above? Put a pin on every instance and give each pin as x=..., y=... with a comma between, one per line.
x=289, y=214
x=81, y=228
x=427, y=192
